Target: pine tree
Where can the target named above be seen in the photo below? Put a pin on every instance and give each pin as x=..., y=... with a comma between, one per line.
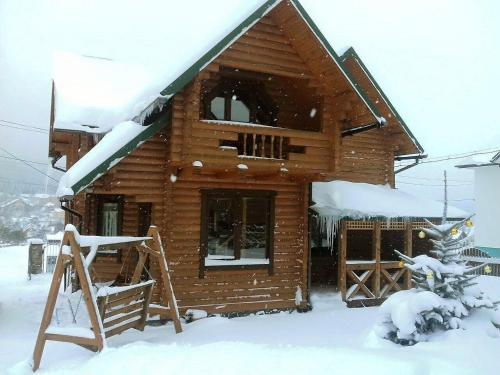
x=442, y=294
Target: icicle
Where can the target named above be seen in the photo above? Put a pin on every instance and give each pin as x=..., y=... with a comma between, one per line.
x=330, y=225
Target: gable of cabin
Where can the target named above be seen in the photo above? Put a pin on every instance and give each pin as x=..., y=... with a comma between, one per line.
x=312, y=102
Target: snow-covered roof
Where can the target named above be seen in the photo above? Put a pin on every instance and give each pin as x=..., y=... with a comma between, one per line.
x=338, y=199
x=107, y=153
x=94, y=94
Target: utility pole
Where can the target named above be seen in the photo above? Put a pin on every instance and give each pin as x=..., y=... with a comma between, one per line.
x=445, y=202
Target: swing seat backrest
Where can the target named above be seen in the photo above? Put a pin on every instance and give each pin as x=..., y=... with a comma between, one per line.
x=123, y=308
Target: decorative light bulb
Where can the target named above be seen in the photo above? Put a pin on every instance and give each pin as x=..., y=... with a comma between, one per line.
x=421, y=234
x=487, y=269
x=454, y=231
x=430, y=276
x=401, y=264
x=469, y=224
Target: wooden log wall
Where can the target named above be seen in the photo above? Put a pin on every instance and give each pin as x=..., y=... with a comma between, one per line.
x=235, y=290
x=366, y=157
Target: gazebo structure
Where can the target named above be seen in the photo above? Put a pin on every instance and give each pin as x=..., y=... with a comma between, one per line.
x=357, y=227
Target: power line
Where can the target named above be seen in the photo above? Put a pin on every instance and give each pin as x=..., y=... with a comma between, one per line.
x=432, y=179
x=455, y=156
x=15, y=182
x=25, y=129
x=24, y=125
x=410, y=183
x=26, y=163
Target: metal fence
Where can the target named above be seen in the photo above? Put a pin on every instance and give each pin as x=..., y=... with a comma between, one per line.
x=51, y=249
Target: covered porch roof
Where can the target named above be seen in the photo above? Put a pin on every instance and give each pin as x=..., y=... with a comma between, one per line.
x=343, y=199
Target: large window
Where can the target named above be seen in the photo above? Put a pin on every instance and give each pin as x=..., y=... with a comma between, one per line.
x=237, y=228
x=239, y=100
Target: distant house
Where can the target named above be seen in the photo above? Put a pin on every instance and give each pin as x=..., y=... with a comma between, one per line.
x=227, y=155
x=487, y=195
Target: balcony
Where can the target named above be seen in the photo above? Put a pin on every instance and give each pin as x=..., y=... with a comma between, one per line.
x=222, y=144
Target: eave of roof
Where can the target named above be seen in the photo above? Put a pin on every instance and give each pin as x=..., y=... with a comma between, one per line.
x=351, y=53
x=125, y=150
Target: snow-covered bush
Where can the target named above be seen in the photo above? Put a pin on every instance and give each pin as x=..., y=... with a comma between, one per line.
x=443, y=292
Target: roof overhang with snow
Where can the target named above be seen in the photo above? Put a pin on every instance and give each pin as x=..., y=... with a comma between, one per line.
x=356, y=201
x=489, y=159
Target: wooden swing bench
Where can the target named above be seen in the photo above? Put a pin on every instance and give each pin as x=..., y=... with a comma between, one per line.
x=112, y=310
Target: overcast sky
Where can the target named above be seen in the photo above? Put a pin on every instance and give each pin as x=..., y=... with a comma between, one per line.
x=438, y=62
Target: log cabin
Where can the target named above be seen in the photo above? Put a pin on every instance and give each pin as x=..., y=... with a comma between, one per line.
x=222, y=157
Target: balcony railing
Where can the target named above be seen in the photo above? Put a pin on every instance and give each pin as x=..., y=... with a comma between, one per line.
x=220, y=141
x=263, y=146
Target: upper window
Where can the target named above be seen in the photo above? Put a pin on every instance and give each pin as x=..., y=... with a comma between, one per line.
x=237, y=228
x=239, y=101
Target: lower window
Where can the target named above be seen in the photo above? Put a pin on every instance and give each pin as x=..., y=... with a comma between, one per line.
x=109, y=215
x=237, y=228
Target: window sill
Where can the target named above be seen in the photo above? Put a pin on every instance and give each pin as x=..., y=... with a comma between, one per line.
x=209, y=265
x=210, y=262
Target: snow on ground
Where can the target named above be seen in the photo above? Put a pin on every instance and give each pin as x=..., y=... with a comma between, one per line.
x=330, y=339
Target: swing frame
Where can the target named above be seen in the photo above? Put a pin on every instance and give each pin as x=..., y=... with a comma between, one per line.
x=133, y=301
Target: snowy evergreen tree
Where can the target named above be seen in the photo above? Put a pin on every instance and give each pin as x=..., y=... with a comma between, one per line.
x=443, y=293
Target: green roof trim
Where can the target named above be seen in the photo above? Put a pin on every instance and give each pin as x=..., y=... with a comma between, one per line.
x=351, y=53
x=130, y=146
x=194, y=69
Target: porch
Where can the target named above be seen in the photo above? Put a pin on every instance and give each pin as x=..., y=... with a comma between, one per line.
x=368, y=275
x=358, y=228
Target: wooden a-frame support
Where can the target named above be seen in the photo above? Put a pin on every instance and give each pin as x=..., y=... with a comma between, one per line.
x=70, y=254
x=154, y=248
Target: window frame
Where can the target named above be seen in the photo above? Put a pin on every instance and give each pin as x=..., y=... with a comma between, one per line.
x=251, y=94
x=101, y=200
x=237, y=195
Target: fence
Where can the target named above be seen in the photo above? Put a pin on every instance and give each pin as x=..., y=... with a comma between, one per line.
x=51, y=249
x=476, y=257
x=42, y=255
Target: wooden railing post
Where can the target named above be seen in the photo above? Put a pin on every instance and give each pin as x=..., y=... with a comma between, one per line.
x=342, y=251
x=408, y=251
x=377, y=234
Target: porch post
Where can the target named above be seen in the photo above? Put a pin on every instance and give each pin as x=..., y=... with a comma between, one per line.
x=342, y=251
x=376, y=256
x=408, y=251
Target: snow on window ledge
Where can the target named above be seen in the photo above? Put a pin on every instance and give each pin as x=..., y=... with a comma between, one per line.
x=211, y=262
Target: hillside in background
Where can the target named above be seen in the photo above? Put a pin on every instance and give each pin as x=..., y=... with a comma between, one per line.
x=24, y=216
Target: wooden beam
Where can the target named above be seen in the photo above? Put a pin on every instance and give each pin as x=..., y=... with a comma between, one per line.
x=377, y=236
x=408, y=251
x=342, y=251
